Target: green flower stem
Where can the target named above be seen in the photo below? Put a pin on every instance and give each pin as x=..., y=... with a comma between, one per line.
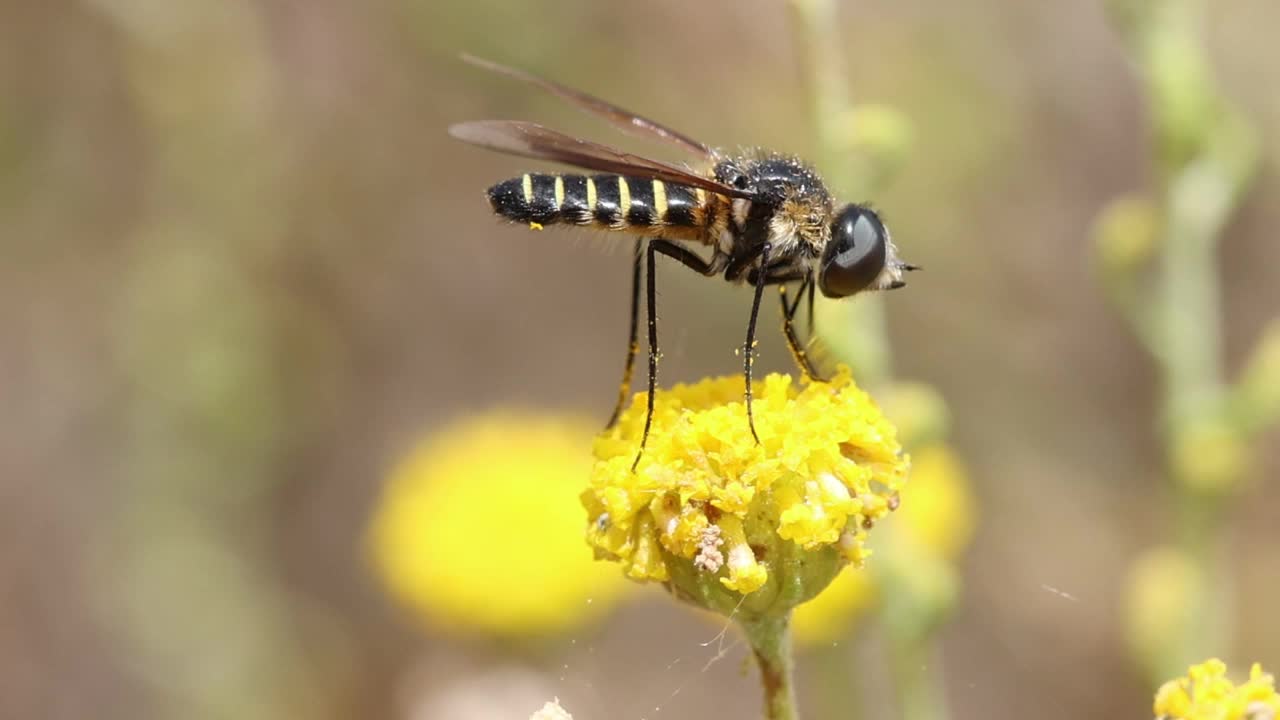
x=770, y=639
x=919, y=689
x=864, y=345
x=1203, y=159
x=864, y=341
x=915, y=661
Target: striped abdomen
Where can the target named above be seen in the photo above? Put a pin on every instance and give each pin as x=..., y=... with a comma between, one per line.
x=609, y=202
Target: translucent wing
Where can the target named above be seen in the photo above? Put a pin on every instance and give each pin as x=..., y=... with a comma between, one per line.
x=532, y=140
x=622, y=119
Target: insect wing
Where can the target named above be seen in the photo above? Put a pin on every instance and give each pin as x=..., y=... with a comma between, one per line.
x=624, y=120
x=531, y=140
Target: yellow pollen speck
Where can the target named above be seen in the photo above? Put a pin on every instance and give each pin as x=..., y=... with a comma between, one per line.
x=660, y=201
x=559, y=192
x=535, y=226
x=526, y=184
x=624, y=197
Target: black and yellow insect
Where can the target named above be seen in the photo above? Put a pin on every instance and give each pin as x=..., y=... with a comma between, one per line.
x=767, y=218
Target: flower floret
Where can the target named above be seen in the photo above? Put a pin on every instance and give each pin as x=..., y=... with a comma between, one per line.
x=1207, y=694
x=707, y=497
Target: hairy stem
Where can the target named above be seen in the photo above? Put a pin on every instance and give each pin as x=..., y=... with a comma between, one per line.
x=770, y=640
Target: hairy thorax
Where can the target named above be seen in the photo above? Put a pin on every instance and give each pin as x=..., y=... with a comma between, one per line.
x=794, y=214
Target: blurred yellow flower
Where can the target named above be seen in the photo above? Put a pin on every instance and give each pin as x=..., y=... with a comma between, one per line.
x=1210, y=456
x=930, y=529
x=938, y=512
x=829, y=616
x=1206, y=694
x=732, y=525
x=1126, y=234
x=919, y=411
x=1161, y=598
x=477, y=528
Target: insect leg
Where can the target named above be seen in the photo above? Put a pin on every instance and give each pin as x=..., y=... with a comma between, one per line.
x=684, y=255
x=780, y=275
x=781, y=272
x=651, y=298
x=812, y=326
x=789, y=310
x=788, y=329
x=748, y=348
x=632, y=346
x=689, y=259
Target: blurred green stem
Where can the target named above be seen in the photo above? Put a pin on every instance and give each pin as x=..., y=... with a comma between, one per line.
x=770, y=640
x=1203, y=159
x=205, y=626
x=862, y=339
x=817, y=30
x=918, y=684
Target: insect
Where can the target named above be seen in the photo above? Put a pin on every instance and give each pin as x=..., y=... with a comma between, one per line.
x=766, y=217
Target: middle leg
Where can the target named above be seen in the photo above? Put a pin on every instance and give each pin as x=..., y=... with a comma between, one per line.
x=689, y=259
x=625, y=386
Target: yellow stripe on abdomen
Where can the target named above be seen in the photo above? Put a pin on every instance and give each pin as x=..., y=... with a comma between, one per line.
x=624, y=198
x=659, y=202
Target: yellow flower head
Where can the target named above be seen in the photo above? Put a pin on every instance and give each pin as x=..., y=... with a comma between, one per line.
x=477, y=528
x=737, y=526
x=920, y=543
x=1207, y=694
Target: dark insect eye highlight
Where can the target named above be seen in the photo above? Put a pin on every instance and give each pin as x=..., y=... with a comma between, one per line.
x=856, y=254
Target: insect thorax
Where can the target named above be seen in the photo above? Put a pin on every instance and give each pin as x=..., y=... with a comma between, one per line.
x=795, y=209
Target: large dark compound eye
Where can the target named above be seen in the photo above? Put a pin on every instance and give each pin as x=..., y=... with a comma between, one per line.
x=856, y=254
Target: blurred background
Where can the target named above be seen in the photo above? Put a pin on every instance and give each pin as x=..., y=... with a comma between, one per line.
x=244, y=272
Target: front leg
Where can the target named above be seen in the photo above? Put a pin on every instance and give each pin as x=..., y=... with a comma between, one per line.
x=780, y=274
x=748, y=348
x=798, y=351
